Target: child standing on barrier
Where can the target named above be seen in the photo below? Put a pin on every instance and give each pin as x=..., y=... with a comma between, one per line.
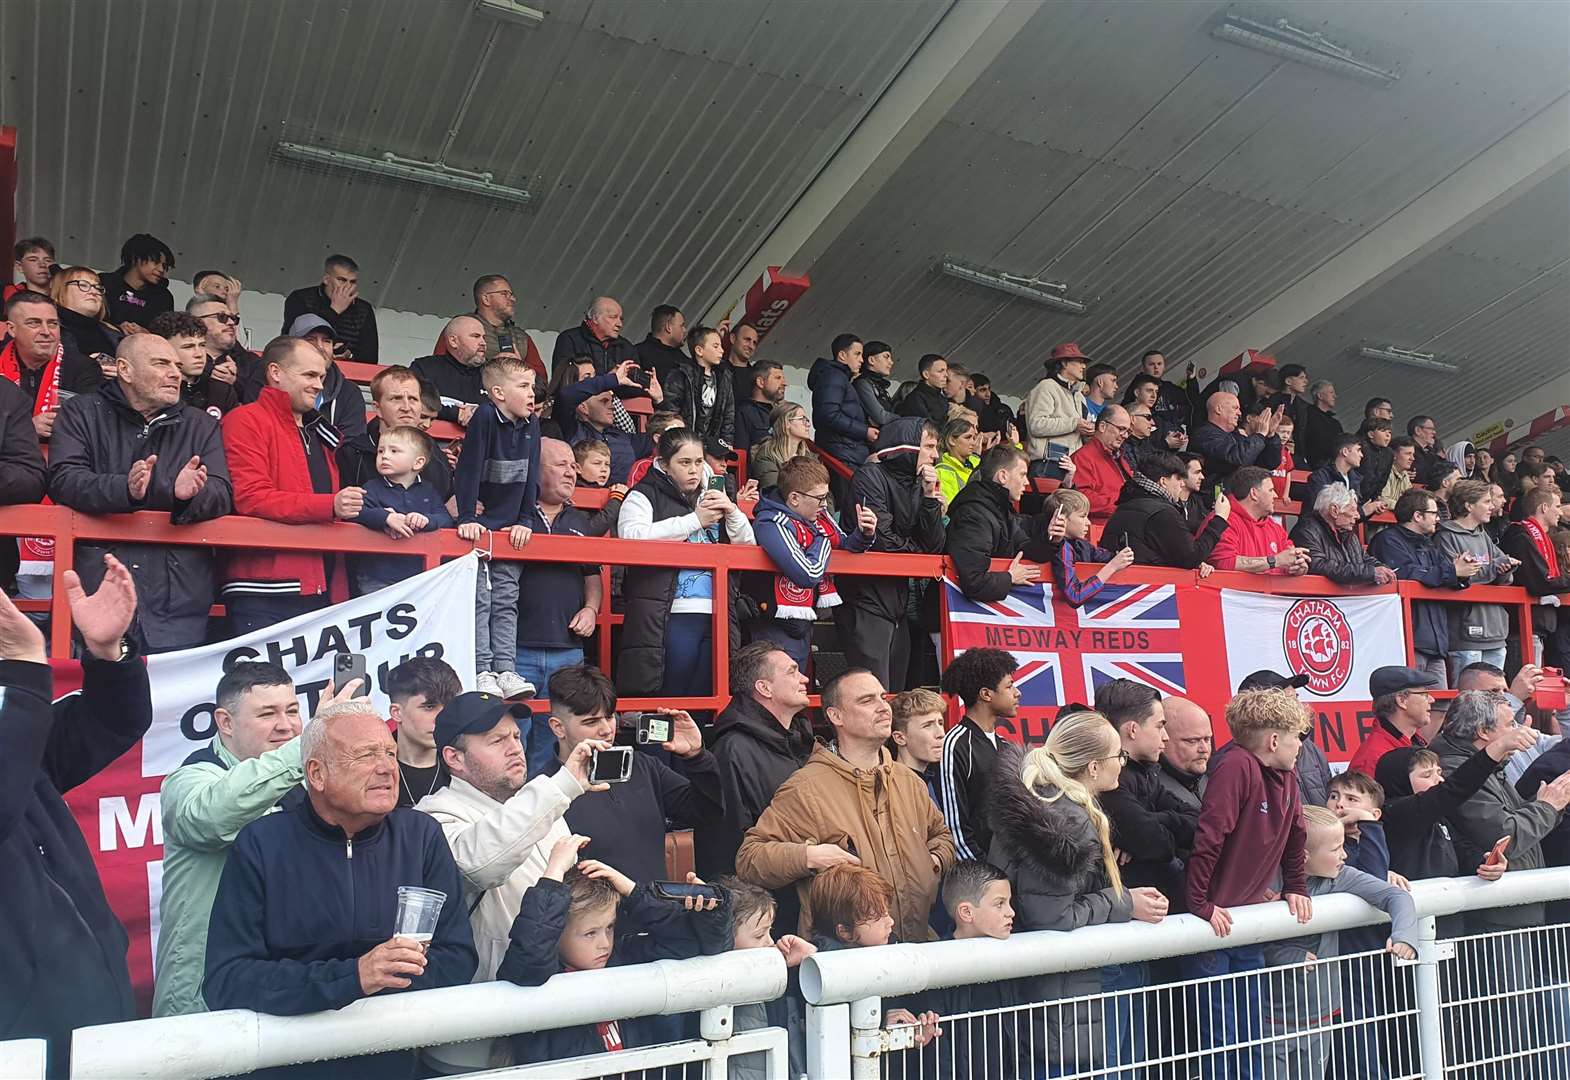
x=499, y=469
x=1073, y=509
x=1314, y=995
x=1250, y=831
x=400, y=503
x=752, y=914
x=567, y=922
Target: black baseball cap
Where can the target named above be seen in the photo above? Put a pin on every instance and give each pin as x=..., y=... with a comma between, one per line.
x=474, y=713
x=1394, y=679
x=1265, y=679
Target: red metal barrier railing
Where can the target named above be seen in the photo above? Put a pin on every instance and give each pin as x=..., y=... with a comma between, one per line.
x=67, y=526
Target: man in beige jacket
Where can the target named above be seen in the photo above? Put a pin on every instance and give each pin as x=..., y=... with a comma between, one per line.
x=1053, y=413
x=501, y=831
x=853, y=803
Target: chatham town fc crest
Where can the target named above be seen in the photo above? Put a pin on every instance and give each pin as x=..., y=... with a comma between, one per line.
x=1317, y=640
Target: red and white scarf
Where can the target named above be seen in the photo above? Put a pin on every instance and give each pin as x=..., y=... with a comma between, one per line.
x=791, y=601
x=37, y=553
x=1544, y=546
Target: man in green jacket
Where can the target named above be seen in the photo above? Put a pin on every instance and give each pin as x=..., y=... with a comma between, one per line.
x=250, y=766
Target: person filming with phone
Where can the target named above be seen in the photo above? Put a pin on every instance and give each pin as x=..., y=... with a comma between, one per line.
x=666, y=643
x=626, y=821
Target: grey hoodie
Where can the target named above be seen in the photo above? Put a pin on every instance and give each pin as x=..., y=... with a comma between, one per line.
x=1476, y=626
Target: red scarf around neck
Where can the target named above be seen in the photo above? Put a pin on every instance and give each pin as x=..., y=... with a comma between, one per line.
x=48, y=387
x=791, y=601
x=1544, y=546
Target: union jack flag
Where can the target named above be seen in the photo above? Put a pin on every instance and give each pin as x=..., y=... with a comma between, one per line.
x=1065, y=653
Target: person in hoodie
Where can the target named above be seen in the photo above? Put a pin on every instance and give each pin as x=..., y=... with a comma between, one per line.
x=1253, y=541
x=899, y=485
x=983, y=526
x=874, y=385
x=758, y=741
x=340, y=401
x=842, y=424
x=793, y=526
x=1409, y=549
x=1151, y=514
x=198, y=388
x=65, y=949
x=1477, y=631
x=133, y=446
x=1053, y=840
x=138, y=292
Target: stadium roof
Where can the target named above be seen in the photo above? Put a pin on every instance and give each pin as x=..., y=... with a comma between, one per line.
x=1193, y=193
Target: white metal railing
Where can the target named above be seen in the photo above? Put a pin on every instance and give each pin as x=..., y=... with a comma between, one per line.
x=849, y=985
x=239, y=1041
x=844, y=990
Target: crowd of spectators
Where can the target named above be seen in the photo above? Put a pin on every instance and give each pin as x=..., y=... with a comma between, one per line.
x=875, y=825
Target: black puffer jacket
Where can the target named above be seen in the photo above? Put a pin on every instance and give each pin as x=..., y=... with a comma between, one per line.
x=756, y=755
x=1153, y=827
x=926, y=403
x=1340, y=557
x=1157, y=531
x=837, y=412
x=1054, y=863
x=97, y=438
x=684, y=395
x=578, y=341
x=983, y=526
x=65, y=950
x=907, y=521
x=647, y=592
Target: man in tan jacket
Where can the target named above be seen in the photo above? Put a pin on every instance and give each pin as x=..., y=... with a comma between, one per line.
x=854, y=804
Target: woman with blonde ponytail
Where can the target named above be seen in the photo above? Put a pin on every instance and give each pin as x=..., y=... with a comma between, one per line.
x=1052, y=839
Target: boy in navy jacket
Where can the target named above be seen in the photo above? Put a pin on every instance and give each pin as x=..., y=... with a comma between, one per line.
x=399, y=503
x=499, y=468
x=567, y=922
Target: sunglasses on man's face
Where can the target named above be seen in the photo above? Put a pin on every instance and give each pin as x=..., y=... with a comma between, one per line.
x=223, y=317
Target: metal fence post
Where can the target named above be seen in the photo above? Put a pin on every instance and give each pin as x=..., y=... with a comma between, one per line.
x=828, y=1041
x=1430, y=1015
x=866, y=1038
x=24, y=1059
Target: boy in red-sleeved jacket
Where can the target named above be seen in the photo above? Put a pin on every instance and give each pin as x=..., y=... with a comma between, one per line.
x=1250, y=836
x=283, y=469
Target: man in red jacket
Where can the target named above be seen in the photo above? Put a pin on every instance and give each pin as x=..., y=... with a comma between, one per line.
x=1401, y=706
x=1254, y=542
x=1099, y=469
x=281, y=465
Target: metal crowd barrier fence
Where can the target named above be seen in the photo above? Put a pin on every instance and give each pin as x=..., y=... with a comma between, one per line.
x=1488, y=1004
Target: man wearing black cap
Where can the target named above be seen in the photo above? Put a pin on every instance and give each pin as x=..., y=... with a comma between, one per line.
x=501, y=830
x=1313, y=768
x=1401, y=705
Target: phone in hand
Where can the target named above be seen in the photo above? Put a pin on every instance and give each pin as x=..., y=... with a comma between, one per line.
x=347, y=666
x=612, y=766
x=678, y=891
x=1496, y=856
x=650, y=727
x=717, y=483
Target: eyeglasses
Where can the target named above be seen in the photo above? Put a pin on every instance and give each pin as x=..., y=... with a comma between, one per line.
x=88, y=286
x=1121, y=757
x=223, y=317
x=1121, y=429
x=819, y=499
x=508, y=293
x=797, y=420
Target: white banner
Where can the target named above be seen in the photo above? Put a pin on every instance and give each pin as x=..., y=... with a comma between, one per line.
x=430, y=614
x=1336, y=641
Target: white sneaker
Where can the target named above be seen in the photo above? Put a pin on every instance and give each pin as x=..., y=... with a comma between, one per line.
x=513, y=686
x=486, y=682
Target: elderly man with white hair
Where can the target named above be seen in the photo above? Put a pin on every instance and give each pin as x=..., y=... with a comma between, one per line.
x=304, y=919
x=1329, y=535
x=599, y=339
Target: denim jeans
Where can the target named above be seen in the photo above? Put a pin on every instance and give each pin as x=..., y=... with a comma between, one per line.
x=1124, y=1016
x=538, y=665
x=1460, y=658
x=1229, y=1010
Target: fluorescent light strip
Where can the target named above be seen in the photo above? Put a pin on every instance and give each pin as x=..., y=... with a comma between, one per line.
x=509, y=11
x=1392, y=354
x=1040, y=292
x=407, y=170
x=1278, y=42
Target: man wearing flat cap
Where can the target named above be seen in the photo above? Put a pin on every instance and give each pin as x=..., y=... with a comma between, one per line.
x=501, y=829
x=1401, y=704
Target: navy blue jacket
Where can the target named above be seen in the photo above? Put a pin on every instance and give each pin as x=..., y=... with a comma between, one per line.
x=1326, y=475
x=625, y=447
x=300, y=902
x=383, y=497
x=500, y=466
x=64, y=949
x=1418, y=558
x=534, y=955
x=838, y=415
